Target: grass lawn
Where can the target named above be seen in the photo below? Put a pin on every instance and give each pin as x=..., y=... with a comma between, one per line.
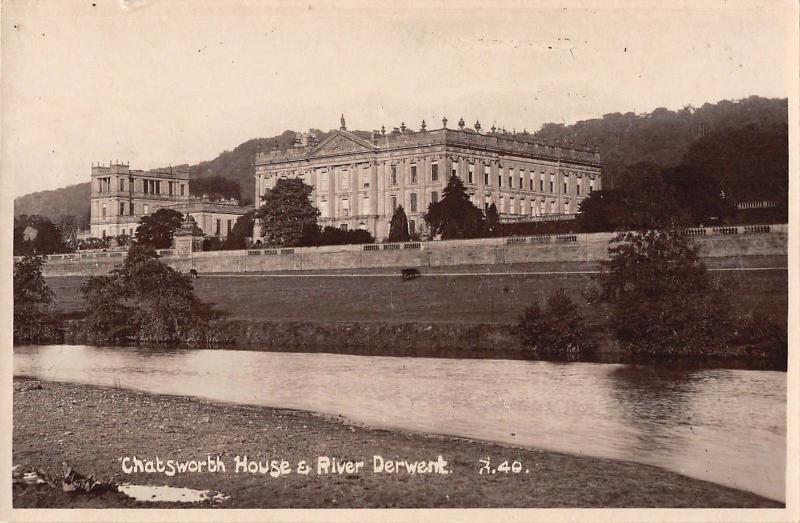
x=430, y=298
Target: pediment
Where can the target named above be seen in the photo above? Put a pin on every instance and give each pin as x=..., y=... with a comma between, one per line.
x=342, y=143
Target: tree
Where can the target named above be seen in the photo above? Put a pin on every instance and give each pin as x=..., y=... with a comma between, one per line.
x=286, y=212
x=700, y=195
x=33, y=301
x=454, y=216
x=155, y=230
x=558, y=328
x=398, y=227
x=662, y=299
x=242, y=230
x=215, y=187
x=141, y=299
x=492, y=220
x=36, y=235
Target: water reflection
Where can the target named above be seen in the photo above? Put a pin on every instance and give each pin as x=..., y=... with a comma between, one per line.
x=723, y=425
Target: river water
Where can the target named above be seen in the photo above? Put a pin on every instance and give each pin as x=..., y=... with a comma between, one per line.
x=722, y=425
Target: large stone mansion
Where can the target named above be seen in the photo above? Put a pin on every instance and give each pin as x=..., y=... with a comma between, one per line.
x=120, y=197
x=358, y=183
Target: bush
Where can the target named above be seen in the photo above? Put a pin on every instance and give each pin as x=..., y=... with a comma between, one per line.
x=141, y=299
x=763, y=337
x=33, y=302
x=663, y=301
x=558, y=328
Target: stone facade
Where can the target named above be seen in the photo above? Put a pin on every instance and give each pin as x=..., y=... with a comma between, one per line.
x=122, y=196
x=357, y=182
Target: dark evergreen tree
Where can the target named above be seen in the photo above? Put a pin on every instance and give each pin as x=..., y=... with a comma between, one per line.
x=492, y=220
x=398, y=227
x=455, y=216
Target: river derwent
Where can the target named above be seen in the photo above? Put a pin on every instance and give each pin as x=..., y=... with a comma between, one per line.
x=726, y=426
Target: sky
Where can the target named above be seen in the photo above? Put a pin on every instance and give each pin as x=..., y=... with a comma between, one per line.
x=157, y=83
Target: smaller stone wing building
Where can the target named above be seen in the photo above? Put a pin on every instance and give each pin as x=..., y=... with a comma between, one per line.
x=121, y=196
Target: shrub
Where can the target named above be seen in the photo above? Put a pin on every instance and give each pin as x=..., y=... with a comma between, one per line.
x=558, y=328
x=663, y=301
x=33, y=302
x=761, y=336
x=141, y=299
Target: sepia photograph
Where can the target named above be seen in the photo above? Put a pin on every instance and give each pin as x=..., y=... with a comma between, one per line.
x=423, y=257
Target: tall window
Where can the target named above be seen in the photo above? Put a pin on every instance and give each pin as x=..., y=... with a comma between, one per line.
x=146, y=186
x=511, y=178
x=412, y=227
x=146, y=209
x=541, y=185
x=511, y=203
x=365, y=177
x=323, y=206
x=230, y=226
x=122, y=184
x=471, y=174
x=344, y=179
x=454, y=168
x=345, y=207
x=578, y=187
x=366, y=204
x=413, y=173
x=531, y=181
x=565, y=187
x=393, y=178
x=394, y=202
x=158, y=187
x=132, y=206
x=434, y=172
x=171, y=188
x=413, y=202
x=502, y=205
x=521, y=180
x=323, y=179
x=122, y=208
x=434, y=197
x=182, y=189
x=103, y=214
x=219, y=223
x=487, y=201
x=500, y=180
x=486, y=178
x=552, y=184
x=591, y=186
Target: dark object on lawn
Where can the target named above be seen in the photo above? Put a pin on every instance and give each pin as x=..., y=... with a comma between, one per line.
x=410, y=274
x=193, y=274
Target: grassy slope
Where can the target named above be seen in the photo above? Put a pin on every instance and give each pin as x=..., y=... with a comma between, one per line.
x=459, y=299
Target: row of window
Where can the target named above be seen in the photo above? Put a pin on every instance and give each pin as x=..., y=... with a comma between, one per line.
x=510, y=205
x=344, y=179
x=131, y=208
x=147, y=186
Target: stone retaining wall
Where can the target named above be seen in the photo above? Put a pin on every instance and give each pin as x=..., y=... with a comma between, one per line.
x=768, y=241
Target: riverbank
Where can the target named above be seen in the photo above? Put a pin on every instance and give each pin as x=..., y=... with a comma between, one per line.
x=455, y=314
x=93, y=428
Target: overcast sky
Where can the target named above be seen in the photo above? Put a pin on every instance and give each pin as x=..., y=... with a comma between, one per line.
x=168, y=82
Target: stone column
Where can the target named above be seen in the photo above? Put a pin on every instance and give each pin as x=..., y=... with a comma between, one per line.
x=373, y=195
x=331, y=192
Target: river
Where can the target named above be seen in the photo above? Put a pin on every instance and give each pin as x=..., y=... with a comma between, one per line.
x=727, y=426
